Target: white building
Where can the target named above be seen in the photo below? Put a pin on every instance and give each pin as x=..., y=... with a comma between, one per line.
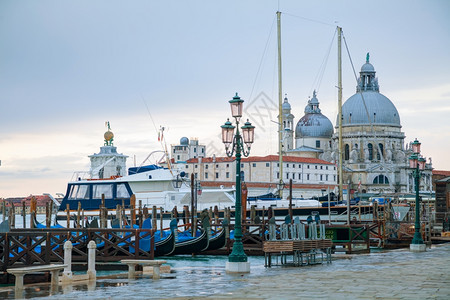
x=187, y=149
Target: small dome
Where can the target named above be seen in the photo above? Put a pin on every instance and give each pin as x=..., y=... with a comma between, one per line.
x=286, y=105
x=314, y=125
x=184, y=141
x=367, y=68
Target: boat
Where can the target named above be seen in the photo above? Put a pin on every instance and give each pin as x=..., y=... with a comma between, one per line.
x=217, y=241
x=152, y=185
x=188, y=245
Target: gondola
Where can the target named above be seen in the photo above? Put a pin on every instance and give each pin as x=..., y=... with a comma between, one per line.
x=192, y=245
x=217, y=241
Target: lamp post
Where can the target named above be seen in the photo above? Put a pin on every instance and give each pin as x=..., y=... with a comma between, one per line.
x=234, y=144
x=417, y=164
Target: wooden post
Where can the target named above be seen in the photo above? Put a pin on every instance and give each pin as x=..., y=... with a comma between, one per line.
x=78, y=214
x=161, y=221
x=48, y=222
x=244, y=193
x=32, y=211
x=140, y=214
x=154, y=220
x=46, y=215
x=119, y=215
x=4, y=210
x=132, y=209
x=24, y=214
x=291, y=213
x=145, y=213
x=68, y=215
x=216, y=215
x=192, y=202
x=252, y=214
x=186, y=216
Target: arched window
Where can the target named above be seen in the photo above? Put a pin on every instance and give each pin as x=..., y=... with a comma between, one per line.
x=381, y=179
x=380, y=151
x=370, y=147
x=347, y=152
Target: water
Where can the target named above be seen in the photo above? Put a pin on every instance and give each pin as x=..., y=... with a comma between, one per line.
x=398, y=274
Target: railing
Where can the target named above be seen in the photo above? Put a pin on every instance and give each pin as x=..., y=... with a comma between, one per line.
x=45, y=246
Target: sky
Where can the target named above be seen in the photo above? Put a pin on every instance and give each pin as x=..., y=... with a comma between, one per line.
x=67, y=67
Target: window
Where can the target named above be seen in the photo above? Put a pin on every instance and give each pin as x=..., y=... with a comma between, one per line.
x=101, y=172
x=206, y=166
x=370, y=148
x=287, y=165
x=217, y=166
x=381, y=179
x=307, y=176
x=195, y=175
x=254, y=164
x=195, y=150
x=315, y=167
x=347, y=152
x=228, y=165
x=99, y=189
x=217, y=175
x=326, y=168
x=287, y=175
x=300, y=166
x=122, y=191
x=307, y=166
x=267, y=164
x=242, y=165
x=321, y=177
x=278, y=175
x=187, y=166
x=196, y=166
x=206, y=175
x=326, y=177
x=299, y=176
x=334, y=177
x=227, y=174
x=178, y=157
x=321, y=167
x=293, y=165
x=78, y=192
x=317, y=144
x=380, y=151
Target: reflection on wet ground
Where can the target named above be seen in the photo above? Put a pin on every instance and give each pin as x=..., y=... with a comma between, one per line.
x=396, y=274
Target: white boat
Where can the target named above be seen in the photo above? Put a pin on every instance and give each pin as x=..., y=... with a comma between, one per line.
x=153, y=185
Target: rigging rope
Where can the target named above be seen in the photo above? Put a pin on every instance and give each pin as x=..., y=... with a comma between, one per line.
x=318, y=79
x=310, y=20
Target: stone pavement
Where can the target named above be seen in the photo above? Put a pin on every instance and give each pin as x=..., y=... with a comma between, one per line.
x=389, y=275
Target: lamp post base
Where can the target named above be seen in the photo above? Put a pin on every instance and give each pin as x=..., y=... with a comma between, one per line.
x=417, y=247
x=237, y=267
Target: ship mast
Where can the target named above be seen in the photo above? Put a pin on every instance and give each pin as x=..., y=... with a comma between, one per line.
x=339, y=29
x=280, y=120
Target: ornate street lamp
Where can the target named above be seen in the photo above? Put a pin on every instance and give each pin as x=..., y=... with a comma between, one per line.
x=237, y=261
x=417, y=164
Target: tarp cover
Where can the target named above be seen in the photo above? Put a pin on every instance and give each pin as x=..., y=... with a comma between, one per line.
x=135, y=170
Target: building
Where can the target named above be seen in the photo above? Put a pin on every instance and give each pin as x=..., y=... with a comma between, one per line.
x=310, y=176
x=375, y=159
x=442, y=204
x=187, y=150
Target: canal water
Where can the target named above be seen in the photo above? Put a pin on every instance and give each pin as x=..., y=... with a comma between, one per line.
x=398, y=274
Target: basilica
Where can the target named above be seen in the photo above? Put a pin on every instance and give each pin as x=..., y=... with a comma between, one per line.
x=375, y=157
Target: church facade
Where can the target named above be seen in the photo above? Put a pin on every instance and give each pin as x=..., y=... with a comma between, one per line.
x=375, y=158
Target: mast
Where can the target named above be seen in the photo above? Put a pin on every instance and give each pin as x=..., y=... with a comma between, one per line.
x=339, y=29
x=280, y=111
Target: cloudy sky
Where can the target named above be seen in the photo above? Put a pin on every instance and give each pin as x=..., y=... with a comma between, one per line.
x=66, y=67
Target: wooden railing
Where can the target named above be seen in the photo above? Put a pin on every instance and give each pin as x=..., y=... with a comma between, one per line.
x=45, y=246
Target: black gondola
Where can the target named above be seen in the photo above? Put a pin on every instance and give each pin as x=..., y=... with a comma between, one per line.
x=218, y=241
x=194, y=245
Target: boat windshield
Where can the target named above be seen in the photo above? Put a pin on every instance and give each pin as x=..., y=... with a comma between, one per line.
x=102, y=189
x=78, y=192
x=122, y=191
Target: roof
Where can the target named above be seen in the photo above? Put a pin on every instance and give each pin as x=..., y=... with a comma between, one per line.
x=268, y=158
x=441, y=173
x=269, y=185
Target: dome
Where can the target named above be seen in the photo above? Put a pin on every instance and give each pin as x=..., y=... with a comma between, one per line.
x=380, y=110
x=368, y=105
x=184, y=141
x=313, y=123
x=367, y=68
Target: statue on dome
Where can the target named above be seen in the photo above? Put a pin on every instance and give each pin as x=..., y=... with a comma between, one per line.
x=367, y=57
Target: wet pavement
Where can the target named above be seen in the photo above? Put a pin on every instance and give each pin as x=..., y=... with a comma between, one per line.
x=398, y=274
